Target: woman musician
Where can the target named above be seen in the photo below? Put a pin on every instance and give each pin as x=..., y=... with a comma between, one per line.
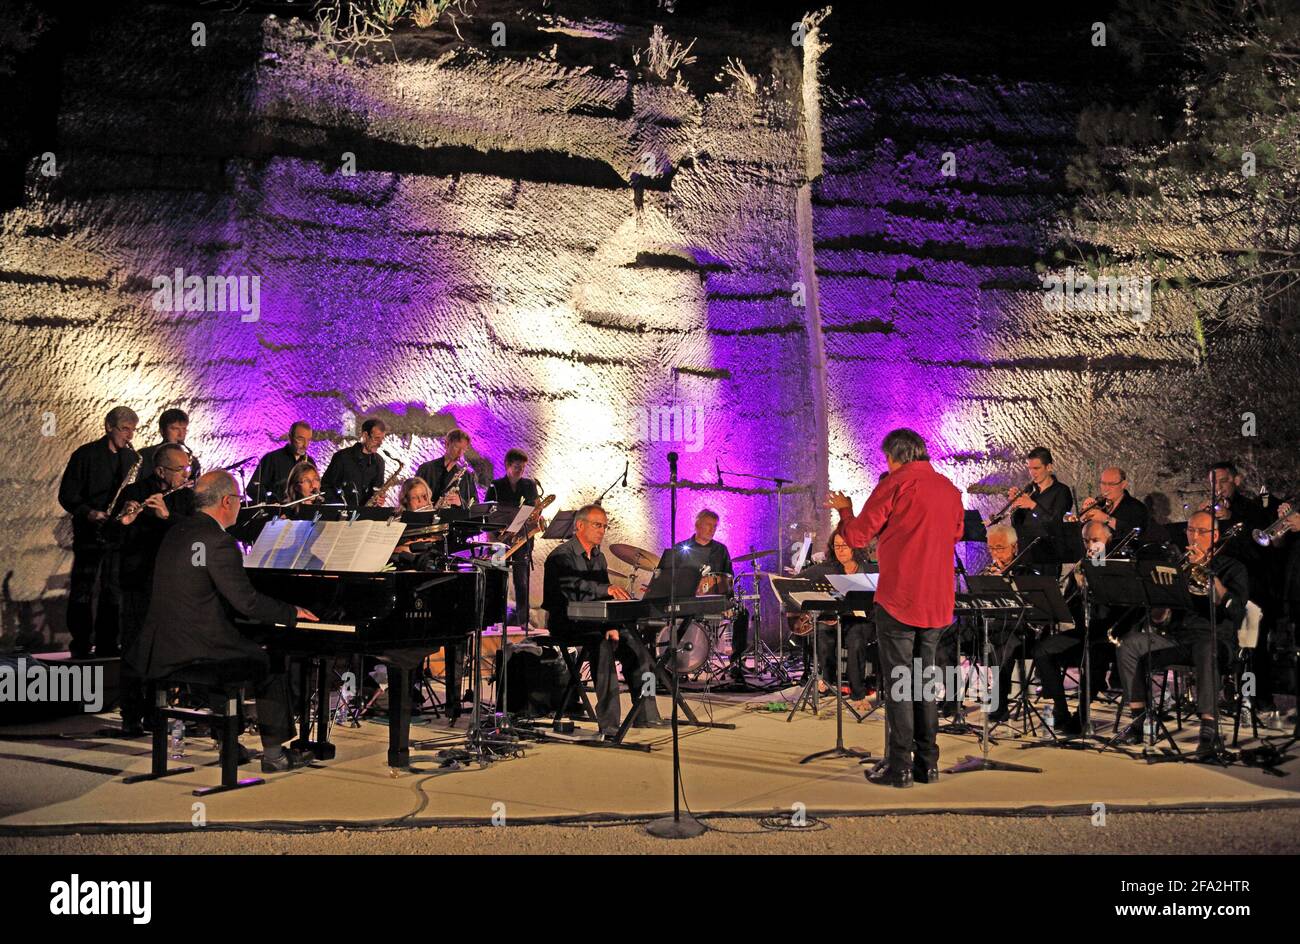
x=857, y=631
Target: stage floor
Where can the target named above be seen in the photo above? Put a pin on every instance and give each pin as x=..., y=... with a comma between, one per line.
x=60, y=777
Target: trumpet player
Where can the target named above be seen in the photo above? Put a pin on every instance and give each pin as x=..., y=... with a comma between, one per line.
x=357, y=472
x=1040, y=508
x=1188, y=640
x=1115, y=508
x=151, y=505
x=438, y=473
x=174, y=425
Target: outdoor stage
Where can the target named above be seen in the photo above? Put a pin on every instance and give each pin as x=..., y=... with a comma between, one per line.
x=61, y=777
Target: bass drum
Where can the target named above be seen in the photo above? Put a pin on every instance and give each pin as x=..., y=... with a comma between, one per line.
x=693, y=646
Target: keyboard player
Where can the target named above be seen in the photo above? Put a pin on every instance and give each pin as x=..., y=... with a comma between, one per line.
x=576, y=571
x=199, y=573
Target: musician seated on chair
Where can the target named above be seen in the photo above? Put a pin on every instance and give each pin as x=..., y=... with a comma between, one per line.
x=576, y=571
x=1187, y=639
x=1007, y=635
x=198, y=576
x=1056, y=653
x=857, y=631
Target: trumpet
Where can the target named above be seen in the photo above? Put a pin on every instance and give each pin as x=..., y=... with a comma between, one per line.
x=1198, y=571
x=1030, y=489
x=1266, y=536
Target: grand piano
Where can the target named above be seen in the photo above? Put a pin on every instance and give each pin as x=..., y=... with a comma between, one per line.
x=399, y=617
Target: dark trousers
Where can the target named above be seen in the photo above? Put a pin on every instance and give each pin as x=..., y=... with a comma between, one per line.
x=856, y=635
x=271, y=689
x=906, y=652
x=636, y=660
x=1161, y=652
x=1054, y=654
x=134, y=691
x=739, y=633
x=521, y=566
x=89, y=624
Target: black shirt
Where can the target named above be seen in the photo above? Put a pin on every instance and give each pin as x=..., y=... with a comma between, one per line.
x=1042, y=521
x=570, y=575
x=270, y=481
x=1130, y=514
x=694, y=554
x=527, y=492
x=353, y=476
x=141, y=539
x=148, y=453
x=438, y=477
x=89, y=482
x=1231, y=608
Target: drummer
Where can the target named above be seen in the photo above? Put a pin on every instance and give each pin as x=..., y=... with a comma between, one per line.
x=703, y=551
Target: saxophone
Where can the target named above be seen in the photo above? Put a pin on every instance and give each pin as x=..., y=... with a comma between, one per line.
x=444, y=500
x=377, y=499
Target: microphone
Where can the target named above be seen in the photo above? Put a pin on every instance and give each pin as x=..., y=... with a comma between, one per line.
x=624, y=473
x=672, y=465
x=718, y=466
x=235, y=465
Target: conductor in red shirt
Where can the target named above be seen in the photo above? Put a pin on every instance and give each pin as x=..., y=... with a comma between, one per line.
x=917, y=514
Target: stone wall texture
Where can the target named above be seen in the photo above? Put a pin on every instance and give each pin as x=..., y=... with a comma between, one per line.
x=557, y=252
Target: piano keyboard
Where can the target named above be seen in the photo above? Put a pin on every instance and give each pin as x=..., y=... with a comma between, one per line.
x=316, y=625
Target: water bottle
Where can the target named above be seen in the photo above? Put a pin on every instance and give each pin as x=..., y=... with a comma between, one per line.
x=1148, y=727
x=1049, y=717
x=176, y=730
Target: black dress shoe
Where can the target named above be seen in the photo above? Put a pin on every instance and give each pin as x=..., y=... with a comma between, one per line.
x=1000, y=714
x=1210, y=741
x=132, y=730
x=1134, y=733
x=1067, y=724
x=288, y=760
x=656, y=723
x=889, y=776
x=925, y=774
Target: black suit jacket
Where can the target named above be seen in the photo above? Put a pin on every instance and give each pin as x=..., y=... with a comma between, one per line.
x=271, y=478
x=92, y=475
x=1043, y=521
x=570, y=575
x=198, y=581
x=353, y=475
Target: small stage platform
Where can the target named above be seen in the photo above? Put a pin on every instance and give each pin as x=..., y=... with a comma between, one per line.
x=61, y=776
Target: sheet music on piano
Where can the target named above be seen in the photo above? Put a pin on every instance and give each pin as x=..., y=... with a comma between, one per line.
x=359, y=546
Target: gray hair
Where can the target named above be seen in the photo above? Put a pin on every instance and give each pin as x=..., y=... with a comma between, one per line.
x=214, y=486
x=1006, y=529
x=119, y=415
x=904, y=445
x=586, y=511
x=169, y=447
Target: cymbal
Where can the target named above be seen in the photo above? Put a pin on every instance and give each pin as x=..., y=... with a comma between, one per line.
x=637, y=557
x=754, y=556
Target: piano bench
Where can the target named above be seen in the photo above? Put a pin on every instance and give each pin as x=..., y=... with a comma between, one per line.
x=229, y=721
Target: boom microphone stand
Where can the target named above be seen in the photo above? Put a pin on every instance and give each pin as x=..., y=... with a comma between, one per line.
x=677, y=826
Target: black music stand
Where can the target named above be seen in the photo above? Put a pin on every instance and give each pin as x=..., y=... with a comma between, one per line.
x=839, y=750
x=562, y=527
x=995, y=591
x=1151, y=585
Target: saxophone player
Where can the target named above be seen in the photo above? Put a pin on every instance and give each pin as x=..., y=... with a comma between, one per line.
x=513, y=490
x=1189, y=640
x=438, y=473
x=357, y=472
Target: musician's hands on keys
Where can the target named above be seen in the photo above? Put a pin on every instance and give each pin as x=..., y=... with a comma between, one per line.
x=839, y=501
x=453, y=499
x=1023, y=501
x=97, y=516
x=132, y=511
x=306, y=614
x=611, y=635
x=618, y=593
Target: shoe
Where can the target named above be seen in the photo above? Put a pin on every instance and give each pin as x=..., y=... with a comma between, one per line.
x=289, y=759
x=78, y=653
x=1067, y=724
x=657, y=723
x=1135, y=733
x=925, y=774
x=1210, y=741
x=1000, y=714
x=131, y=730
x=888, y=776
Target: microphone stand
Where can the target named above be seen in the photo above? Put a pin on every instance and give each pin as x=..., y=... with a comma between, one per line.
x=676, y=826
x=623, y=478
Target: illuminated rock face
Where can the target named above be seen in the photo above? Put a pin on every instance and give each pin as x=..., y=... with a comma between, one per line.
x=595, y=269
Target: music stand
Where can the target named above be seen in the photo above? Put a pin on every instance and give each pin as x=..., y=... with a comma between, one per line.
x=562, y=527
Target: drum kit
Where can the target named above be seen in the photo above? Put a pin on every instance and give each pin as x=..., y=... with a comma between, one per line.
x=700, y=655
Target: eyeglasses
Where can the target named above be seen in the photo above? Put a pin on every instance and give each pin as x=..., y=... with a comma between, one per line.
x=598, y=524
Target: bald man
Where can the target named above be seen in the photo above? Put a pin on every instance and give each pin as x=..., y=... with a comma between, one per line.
x=198, y=575
x=1123, y=513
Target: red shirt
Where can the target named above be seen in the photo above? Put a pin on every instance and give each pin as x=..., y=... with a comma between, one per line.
x=925, y=520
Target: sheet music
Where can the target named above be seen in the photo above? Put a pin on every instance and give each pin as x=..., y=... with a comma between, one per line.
x=363, y=546
x=845, y=583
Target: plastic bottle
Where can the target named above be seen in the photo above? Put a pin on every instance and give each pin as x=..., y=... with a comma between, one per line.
x=176, y=730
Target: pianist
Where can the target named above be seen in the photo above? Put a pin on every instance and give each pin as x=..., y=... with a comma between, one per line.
x=198, y=574
x=576, y=571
